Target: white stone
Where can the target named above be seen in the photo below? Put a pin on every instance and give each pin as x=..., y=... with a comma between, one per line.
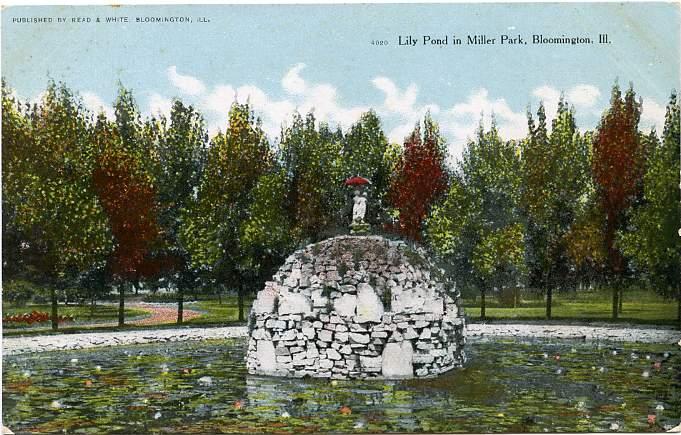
x=309, y=333
x=294, y=303
x=397, y=360
x=369, y=305
x=425, y=334
x=333, y=354
x=346, y=305
x=371, y=362
x=359, y=338
x=266, y=300
x=325, y=335
x=265, y=356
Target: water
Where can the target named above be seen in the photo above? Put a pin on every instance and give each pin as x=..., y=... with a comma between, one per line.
x=199, y=387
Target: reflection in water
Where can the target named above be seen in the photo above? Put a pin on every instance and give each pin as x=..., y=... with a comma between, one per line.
x=507, y=386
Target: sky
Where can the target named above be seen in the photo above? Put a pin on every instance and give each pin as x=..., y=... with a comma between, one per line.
x=287, y=58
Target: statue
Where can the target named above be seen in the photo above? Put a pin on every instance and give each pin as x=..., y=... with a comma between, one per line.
x=359, y=209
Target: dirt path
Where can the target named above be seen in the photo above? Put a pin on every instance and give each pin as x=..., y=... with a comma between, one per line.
x=162, y=314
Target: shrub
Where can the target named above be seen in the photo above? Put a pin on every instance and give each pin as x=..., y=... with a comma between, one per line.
x=18, y=292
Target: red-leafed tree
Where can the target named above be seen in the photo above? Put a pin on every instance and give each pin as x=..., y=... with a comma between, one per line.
x=618, y=167
x=128, y=197
x=420, y=178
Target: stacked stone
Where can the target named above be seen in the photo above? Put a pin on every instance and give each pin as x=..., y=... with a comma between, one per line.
x=356, y=307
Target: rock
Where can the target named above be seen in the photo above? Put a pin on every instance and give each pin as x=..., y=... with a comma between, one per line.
x=294, y=303
x=359, y=338
x=410, y=334
x=266, y=300
x=425, y=334
x=396, y=360
x=309, y=333
x=333, y=354
x=371, y=363
x=325, y=335
x=345, y=305
x=369, y=305
x=266, y=357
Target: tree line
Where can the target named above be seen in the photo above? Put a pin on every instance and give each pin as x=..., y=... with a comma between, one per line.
x=103, y=204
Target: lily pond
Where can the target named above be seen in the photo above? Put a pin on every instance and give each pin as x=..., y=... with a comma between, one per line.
x=203, y=387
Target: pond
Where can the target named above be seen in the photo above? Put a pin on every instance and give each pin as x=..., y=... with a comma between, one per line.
x=199, y=387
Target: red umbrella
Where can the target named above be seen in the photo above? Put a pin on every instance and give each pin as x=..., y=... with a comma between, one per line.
x=356, y=181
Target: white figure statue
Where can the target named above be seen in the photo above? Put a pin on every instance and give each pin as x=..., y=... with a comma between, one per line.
x=359, y=209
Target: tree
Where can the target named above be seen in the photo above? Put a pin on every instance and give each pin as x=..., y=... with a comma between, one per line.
x=311, y=159
x=364, y=154
x=180, y=149
x=652, y=241
x=127, y=195
x=617, y=167
x=555, y=168
x=210, y=228
x=478, y=228
x=48, y=159
x=420, y=178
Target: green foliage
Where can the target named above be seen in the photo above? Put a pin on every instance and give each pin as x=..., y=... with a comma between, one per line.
x=652, y=240
x=364, y=154
x=555, y=171
x=477, y=229
x=18, y=292
x=316, y=198
x=49, y=157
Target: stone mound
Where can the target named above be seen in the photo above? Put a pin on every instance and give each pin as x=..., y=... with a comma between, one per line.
x=356, y=307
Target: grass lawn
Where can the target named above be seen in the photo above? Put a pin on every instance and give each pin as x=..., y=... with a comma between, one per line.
x=639, y=306
x=216, y=313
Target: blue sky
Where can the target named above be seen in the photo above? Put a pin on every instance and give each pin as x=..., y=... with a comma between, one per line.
x=301, y=57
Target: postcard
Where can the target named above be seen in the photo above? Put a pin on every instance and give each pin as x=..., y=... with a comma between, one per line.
x=341, y=218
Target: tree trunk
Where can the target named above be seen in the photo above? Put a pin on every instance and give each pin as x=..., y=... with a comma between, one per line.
x=621, y=298
x=615, y=301
x=241, y=301
x=549, y=300
x=121, y=304
x=54, y=317
x=219, y=297
x=482, y=304
x=678, y=300
x=180, y=304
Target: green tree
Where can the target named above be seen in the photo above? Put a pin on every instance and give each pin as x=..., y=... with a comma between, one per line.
x=478, y=227
x=652, y=240
x=211, y=225
x=617, y=167
x=181, y=147
x=311, y=158
x=555, y=170
x=364, y=154
x=49, y=187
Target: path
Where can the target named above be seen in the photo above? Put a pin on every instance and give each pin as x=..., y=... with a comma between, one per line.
x=161, y=314
x=19, y=345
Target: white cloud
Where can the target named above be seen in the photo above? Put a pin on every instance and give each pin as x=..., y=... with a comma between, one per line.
x=292, y=82
x=159, y=105
x=583, y=97
x=401, y=106
x=94, y=103
x=187, y=84
x=395, y=100
x=320, y=98
x=652, y=115
x=462, y=120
